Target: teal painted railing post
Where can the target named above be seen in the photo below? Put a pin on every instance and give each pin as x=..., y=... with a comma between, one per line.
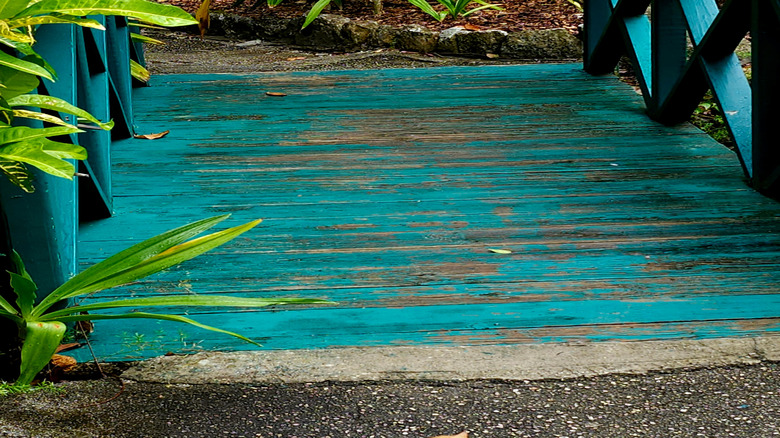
x=669, y=49
x=118, y=60
x=673, y=81
x=765, y=33
x=93, y=86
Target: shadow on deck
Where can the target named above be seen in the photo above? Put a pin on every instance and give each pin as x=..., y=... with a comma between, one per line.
x=388, y=190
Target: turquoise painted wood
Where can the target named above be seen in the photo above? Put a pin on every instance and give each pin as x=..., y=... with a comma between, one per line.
x=673, y=82
x=386, y=191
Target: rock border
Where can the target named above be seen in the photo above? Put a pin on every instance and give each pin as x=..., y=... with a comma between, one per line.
x=336, y=33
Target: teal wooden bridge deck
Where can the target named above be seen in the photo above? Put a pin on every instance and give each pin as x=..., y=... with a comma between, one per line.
x=389, y=192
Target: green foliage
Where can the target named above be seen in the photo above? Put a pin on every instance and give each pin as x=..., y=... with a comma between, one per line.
x=20, y=78
x=453, y=9
x=43, y=329
x=709, y=118
x=7, y=389
x=316, y=10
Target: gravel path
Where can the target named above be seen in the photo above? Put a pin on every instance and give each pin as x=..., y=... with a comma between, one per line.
x=716, y=402
x=185, y=53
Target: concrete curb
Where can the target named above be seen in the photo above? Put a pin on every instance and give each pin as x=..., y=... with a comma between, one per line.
x=520, y=362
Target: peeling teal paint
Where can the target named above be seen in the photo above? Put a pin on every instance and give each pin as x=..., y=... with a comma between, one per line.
x=385, y=190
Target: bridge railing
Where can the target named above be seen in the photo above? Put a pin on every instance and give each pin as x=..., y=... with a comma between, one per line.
x=680, y=49
x=93, y=69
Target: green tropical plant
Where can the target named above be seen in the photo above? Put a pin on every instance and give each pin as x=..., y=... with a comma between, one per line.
x=21, y=67
x=42, y=329
x=453, y=9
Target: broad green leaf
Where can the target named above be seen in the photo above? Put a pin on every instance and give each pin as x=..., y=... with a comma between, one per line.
x=41, y=340
x=315, y=12
x=139, y=72
x=6, y=32
x=17, y=174
x=166, y=259
x=9, y=8
x=138, y=38
x=43, y=117
x=16, y=82
x=30, y=54
x=21, y=133
x=127, y=258
x=154, y=13
x=56, y=104
x=63, y=150
x=182, y=300
x=54, y=18
x=6, y=113
x=163, y=317
x=24, y=66
x=33, y=152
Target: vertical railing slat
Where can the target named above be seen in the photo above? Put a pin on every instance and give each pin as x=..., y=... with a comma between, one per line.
x=765, y=34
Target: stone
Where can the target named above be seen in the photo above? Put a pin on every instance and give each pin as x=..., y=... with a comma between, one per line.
x=325, y=32
x=448, y=41
x=542, y=44
x=359, y=34
x=385, y=36
x=480, y=42
x=416, y=38
x=233, y=26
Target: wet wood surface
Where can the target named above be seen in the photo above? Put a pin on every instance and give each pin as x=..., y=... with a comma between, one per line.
x=387, y=191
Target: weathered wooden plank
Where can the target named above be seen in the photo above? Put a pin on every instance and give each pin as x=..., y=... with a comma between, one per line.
x=388, y=198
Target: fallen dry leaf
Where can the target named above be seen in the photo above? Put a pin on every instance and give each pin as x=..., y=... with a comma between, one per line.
x=491, y=55
x=66, y=347
x=500, y=251
x=297, y=58
x=460, y=435
x=152, y=136
x=203, y=17
x=275, y=94
x=64, y=363
x=469, y=26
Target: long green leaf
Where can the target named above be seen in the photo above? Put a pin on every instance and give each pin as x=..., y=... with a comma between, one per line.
x=17, y=174
x=43, y=117
x=427, y=8
x=33, y=152
x=55, y=18
x=21, y=133
x=128, y=258
x=23, y=66
x=40, y=342
x=25, y=293
x=56, y=104
x=163, y=317
x=485, y=6
x=7, y=307
x=164, y=260
x=154, y=13
x=182, y=300
x=30, y=54
x=16, y=82
x=138, y=38
x=315, y=12
x=139, y=72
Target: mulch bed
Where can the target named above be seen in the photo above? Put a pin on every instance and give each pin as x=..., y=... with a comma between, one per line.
x=516, y=14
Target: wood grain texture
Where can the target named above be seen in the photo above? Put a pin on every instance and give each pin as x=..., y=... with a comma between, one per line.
x=386, y=191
